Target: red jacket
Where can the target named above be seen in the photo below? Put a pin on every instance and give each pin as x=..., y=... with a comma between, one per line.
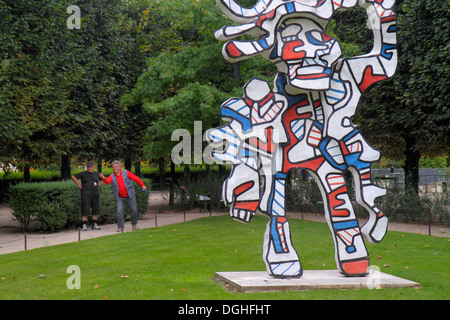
x=122, y=189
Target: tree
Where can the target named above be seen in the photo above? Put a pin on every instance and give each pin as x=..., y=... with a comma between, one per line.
x=121, y=35
x=61, y=88
x=96, y=117
x=36, y=76
x=190, y=79
x=151, y=33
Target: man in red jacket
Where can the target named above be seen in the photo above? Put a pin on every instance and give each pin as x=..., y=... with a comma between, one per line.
x=123, y=191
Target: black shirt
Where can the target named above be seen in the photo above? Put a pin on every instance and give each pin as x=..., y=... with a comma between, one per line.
x=89, y=180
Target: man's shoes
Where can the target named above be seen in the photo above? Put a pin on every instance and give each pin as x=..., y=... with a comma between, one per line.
x=84, y=227
x=95, y=227
x=119, y=229
x=134, y=227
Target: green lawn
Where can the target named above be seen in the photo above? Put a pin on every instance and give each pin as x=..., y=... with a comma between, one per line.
x=178, y=262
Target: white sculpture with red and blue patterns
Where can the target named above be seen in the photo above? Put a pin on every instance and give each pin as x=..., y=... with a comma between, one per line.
x=304, y=122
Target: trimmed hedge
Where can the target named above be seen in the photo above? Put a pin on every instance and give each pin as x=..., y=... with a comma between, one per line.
x=52, y=206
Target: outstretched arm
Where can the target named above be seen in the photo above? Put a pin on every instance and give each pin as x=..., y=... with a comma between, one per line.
x=104, y=179
x=137, y=180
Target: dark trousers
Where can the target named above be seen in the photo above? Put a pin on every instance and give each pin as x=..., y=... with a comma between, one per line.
x=90, y=199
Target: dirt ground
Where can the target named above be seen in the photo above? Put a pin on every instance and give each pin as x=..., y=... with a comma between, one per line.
x=12, y=239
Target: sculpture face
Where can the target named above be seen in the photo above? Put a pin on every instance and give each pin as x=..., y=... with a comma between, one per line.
x=308, y=54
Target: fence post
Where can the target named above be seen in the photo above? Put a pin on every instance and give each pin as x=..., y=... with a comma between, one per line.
x=429, y=227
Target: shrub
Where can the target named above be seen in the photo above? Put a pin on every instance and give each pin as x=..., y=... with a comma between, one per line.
x=187, y=196
x=56, y=205
x=437, y=162
x=437, y=205
x=401, y=205
x=398, y=204
x=47, y=203
x=406, y=205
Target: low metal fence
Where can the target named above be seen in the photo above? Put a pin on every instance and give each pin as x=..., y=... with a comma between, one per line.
x=430, y=180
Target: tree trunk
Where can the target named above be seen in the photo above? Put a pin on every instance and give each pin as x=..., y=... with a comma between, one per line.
x=236, y=71
x=411, y=164
x=289, y=180
x=128, y=164
x=305, y=175
x=65, y=167
x=222, y=171
x=187, y=174
x=26, y=173
x=137, y=168
x=162, y=177
x=172, y=184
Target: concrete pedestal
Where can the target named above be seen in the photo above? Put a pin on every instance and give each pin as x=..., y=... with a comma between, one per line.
x=261, y=281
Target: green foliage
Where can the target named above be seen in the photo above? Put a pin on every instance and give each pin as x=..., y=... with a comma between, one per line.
x=52, y=206
x=191, y=192
x=168, y=73
x=407, y=206
x=398, y=204
x=402, y=205
x=193, y=102
x=439, y=205
x=60, y=89
x=36, y=75
x=343, y=29
x=195, y=21
x=189, y=80
x=177, y=89
x=428, y=88
x=303, y=196
x=113, y=61
x=41, y=175
x=436, y=162
x=48, y=203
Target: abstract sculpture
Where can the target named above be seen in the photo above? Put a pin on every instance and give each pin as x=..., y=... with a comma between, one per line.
x=304, y=122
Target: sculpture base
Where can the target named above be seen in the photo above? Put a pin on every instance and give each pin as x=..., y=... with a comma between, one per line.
x=261, y=281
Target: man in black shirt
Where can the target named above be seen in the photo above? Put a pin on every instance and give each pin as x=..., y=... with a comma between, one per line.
x=89, y=194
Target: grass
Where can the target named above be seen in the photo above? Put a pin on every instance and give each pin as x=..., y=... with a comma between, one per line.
x=178, y=262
